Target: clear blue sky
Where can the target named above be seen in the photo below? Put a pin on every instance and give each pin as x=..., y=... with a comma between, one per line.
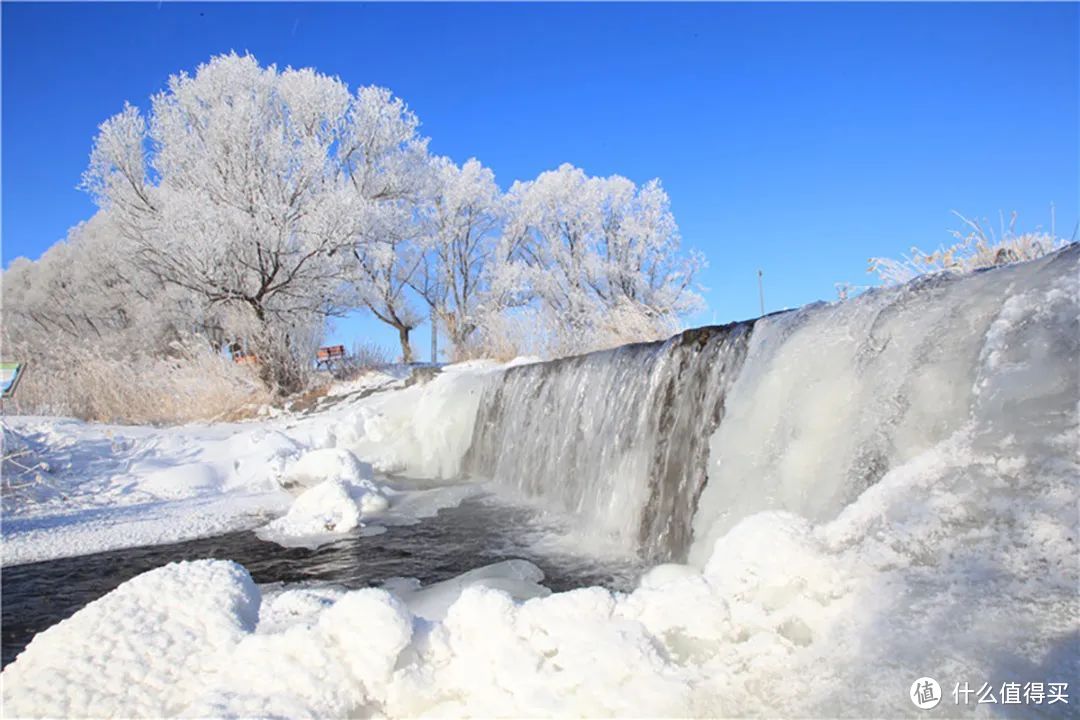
x=799, y=139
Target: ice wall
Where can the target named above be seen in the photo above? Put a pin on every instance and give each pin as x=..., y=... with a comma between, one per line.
x=666, y=446
x=832, y=397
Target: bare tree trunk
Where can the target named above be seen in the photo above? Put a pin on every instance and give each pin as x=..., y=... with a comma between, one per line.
x=406, y=348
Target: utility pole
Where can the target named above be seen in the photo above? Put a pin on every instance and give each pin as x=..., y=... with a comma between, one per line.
x=434, y=338
x=761, y=291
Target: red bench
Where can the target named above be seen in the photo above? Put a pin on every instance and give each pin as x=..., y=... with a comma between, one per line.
x=327, y=355
x=241, y=356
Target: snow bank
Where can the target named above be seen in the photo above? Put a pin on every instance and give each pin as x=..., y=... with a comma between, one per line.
x=422, y=431
x=181, y=481
x=102, y=487
x=371, y=381
x=109, y=487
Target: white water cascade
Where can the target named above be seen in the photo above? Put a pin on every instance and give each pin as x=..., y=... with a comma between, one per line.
x=667, y=445
x=617, y=438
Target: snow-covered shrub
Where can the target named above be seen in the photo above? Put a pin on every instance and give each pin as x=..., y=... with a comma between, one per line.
x=499, y=336
x=20, y=457
x=282, y=346
x=367, y=354
x=975, y=248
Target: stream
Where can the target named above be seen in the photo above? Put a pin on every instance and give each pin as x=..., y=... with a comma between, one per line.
x=478, y=532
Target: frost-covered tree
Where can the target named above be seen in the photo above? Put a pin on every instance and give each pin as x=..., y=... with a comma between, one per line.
x=600, y=254
x=461, y=227
x=85, y=289
x=248, y=204
x=385, y=162
x=106, y=340
x=383, y=269
x=256, y=189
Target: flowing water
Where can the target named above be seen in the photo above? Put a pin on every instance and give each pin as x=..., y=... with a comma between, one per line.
x=616, y=438
x=476, y=533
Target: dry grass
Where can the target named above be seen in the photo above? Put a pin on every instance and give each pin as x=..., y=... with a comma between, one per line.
x=977, y=247
x=309, y=399
x=83, y=383
x=369, y=355
x=365, y=357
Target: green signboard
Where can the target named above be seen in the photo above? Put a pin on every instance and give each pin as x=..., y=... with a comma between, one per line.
x=10, y=372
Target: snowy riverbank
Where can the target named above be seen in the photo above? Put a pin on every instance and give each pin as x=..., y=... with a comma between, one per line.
x=82, y=488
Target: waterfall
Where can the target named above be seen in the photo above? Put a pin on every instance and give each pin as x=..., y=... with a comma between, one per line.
x=832, y=397
x=617, y=438
x=667, y=445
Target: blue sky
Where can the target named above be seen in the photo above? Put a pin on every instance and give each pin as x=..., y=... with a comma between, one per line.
x=796, y=138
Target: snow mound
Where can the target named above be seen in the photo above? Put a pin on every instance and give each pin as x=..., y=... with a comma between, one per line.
x=284, y=607
x=340, y=492
x=259, y=458
x=565, y=654
x=325, y=512
x=315, y=466
x=143, y=650
x=338, y=665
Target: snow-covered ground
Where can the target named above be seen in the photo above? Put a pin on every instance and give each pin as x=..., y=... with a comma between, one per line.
x=81, y=488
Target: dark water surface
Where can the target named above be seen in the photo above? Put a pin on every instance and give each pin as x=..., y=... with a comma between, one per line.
x=476, y=533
